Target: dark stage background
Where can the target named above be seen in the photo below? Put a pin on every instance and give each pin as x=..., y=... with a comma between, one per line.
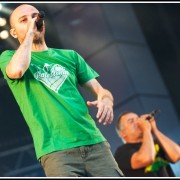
x=135, y=47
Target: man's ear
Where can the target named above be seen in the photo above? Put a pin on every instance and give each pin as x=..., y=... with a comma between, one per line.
x=13, y=33
x=123, y=135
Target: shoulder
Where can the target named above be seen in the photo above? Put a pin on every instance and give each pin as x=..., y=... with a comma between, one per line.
x=120, y=148
x=121, y=153
x=70, y=53
x=128, y=146
x=7, y=53
x=63, y=51
x=5, y=56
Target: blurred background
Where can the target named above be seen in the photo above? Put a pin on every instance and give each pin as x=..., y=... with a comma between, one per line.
x=135, y=47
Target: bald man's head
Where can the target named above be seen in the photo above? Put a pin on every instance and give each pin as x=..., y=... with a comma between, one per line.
x=22, y=8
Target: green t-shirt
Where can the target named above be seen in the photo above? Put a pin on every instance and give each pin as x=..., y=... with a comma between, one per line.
x=50, y=102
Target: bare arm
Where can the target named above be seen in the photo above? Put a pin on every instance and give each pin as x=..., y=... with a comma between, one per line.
x=146, y=154
x=21, y=59
x=104, y=101
x=170, y=147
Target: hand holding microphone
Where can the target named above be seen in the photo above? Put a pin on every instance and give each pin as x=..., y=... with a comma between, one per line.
x=39, y=21
x=154, y=114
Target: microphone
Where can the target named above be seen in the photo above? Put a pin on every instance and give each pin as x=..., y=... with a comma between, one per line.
x=39, y=21
x=154, y=113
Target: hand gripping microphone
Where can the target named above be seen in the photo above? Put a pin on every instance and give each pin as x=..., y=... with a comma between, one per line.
x=154, y=113
x=39, y=21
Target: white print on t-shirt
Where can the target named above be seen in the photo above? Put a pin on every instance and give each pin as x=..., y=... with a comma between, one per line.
x=52, y=75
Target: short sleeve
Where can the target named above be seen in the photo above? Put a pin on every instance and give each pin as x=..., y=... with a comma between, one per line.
x=84, y=71
x=5, y=57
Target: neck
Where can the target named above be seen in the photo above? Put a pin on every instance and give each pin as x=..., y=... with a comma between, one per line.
x=139, y=140
x=39, y=46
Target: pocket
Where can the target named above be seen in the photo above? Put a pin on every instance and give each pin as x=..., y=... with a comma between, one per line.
x=43, y=160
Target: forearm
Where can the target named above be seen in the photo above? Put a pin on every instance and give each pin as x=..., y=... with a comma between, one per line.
x=104, y=101
x=170, y=147
x=97, y=90
x=146, y=153
x=104, y=93
x=147, y=149
x=21, y=59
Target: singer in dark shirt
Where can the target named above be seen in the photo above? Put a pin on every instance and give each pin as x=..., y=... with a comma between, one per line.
x=146, y=151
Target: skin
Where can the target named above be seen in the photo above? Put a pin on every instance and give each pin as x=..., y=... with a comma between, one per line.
x=24, y=29
x=135, y=129
x=22, y=21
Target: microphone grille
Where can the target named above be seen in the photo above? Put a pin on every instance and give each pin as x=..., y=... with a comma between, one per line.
x=41, y=14
x=156, y=113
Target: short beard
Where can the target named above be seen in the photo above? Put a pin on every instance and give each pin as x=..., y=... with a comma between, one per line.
x=37, y=41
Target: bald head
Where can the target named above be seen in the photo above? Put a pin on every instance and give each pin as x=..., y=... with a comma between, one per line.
x=22, y=20
x=20, y=11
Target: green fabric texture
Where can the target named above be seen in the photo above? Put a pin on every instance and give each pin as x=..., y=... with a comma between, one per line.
x=159, y=162
x=50, y=102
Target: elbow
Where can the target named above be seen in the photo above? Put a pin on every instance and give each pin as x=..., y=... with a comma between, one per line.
x=150, y=160
x=143, y=162
x=15, y=74
x=175, y=158
x=178, y=156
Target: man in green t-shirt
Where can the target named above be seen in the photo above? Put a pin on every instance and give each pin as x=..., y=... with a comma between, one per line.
x=44, y=83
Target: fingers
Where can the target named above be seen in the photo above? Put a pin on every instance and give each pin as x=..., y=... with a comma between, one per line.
x=144, y=123
x=33, y=23
x=92, y=103
x=105, y=114
x=31, y=26
x=109, y=118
